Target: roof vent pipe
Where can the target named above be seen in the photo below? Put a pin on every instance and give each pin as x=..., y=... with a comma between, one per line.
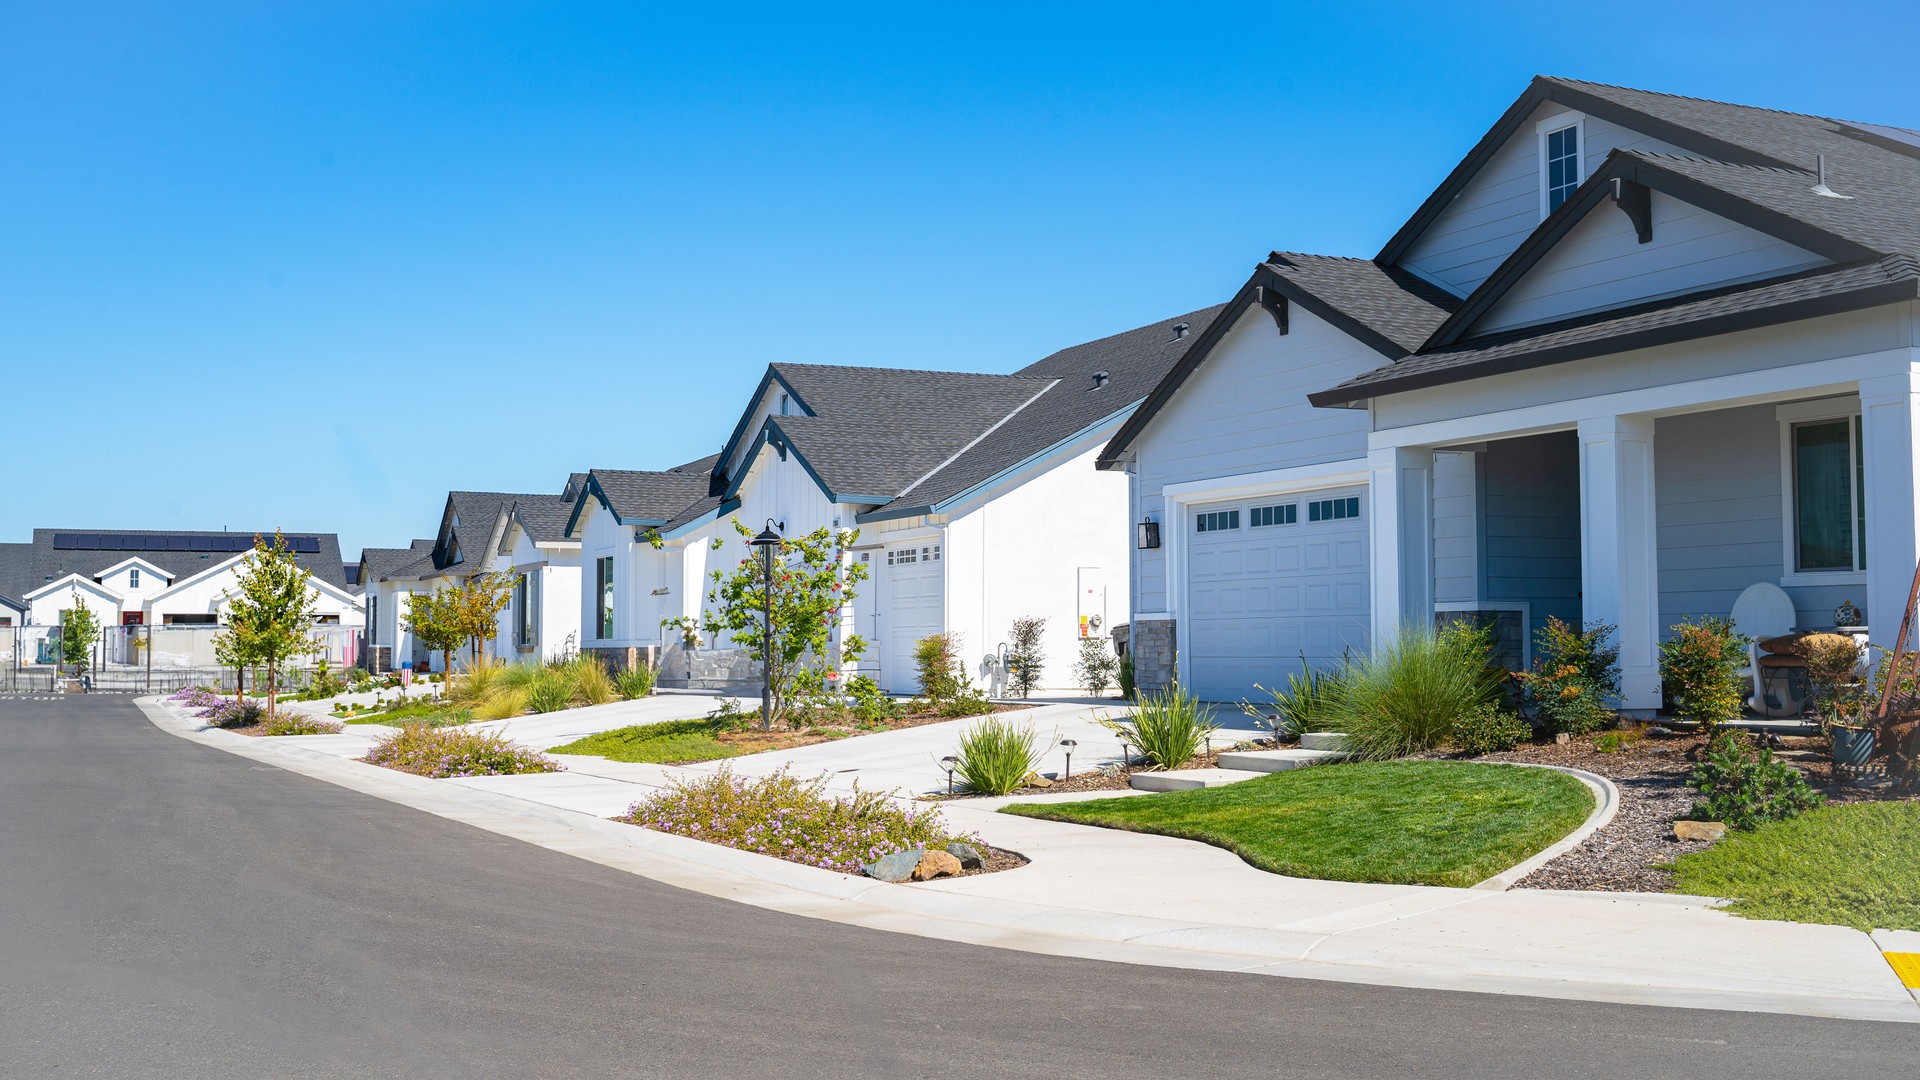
x=1820, y=179
x=1180, y=330
x=1099, y=379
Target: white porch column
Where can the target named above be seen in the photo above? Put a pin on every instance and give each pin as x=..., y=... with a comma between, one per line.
x=1891, y=466
x=1400, y=488
x=1619, y=579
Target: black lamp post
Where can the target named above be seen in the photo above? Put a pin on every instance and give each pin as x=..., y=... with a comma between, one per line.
x=768, y=541
x=949, y=762
x=1068, y=745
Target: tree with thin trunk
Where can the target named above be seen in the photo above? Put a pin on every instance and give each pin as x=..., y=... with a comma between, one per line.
x=478, y=603
x=79, y=629
x=270, y=611
x=434, y=619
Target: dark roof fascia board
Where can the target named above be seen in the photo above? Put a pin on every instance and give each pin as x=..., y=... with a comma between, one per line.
x=1891, y=292
x=771, y=434
x=1595, y=191
x=1263, y=277
x=740, y=429
x=1538, y=92
x=1015, y=469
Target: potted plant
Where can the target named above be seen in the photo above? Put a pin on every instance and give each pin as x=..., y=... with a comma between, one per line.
x=1839, y=697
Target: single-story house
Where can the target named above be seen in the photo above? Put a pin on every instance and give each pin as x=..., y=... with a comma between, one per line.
x=1637, y=354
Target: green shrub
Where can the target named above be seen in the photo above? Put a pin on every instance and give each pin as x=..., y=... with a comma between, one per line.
x=1575, y=675
x=969, y=703
x=1169, y=728
x=942, y=674
x=635, y=682
x=1309, y=703
x=292, y=723
x=1833, y=680
x=1128, y=689
x=1743, y=786
x=871, y=705
x=996, y=755
x=441, y=752
x=1700, y=670
x=793, y=819
x=1612, y=742
x=664, y=743
x=1096, y=667
x=1407, y=695
x=549, y=690
x=1489, y=729
x=1025, y=659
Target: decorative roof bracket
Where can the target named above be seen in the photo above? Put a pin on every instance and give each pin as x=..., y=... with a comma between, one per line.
x=1276, y=305
x=1636, y=201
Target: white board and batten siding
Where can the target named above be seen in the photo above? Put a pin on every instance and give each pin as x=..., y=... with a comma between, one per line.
x=1496, y=210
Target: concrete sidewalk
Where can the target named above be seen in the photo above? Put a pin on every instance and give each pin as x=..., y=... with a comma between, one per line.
x=1158, y=900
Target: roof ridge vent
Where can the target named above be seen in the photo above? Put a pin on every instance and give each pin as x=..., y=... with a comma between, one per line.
x=1820, y=179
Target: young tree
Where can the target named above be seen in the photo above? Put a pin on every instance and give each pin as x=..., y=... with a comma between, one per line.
x=1025, y=658
x=434, y=618
x=1096, y=667
x=813, y=580
x=477, y=605
x=79, y=629
x=270, y=618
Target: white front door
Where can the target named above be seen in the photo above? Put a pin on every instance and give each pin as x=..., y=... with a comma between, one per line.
x=911, y=606
x=1271, y=581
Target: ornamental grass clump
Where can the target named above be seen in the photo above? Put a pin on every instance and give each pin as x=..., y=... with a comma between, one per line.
x=635, y=682
x=1170, y=728
x=441, y=752
x=1408, y=695
x=996, y=755
x=549, y=690
x=290, y=723
x=794, y=819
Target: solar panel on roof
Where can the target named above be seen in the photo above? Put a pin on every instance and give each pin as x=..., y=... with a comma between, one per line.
x=1907, y=139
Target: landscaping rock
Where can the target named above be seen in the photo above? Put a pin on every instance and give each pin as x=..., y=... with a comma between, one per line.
x=1563, y=739
x=935, y=864
x=1659, y=730
x=1034, y=779
x=1699, y=830
x=898, y=866
x=968, y=855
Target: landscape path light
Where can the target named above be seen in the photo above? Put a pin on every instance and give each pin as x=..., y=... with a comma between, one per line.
x=949, y=762
x=1068, y=745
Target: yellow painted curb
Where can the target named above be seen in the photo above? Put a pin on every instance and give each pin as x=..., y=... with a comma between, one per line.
x=1907, y=966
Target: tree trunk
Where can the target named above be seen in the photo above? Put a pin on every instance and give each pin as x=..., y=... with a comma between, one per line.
x=273, y=684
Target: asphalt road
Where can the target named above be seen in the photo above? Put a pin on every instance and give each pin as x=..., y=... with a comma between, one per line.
x=167, y=909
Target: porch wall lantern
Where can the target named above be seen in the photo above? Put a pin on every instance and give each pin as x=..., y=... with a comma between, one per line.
x=1147, y=534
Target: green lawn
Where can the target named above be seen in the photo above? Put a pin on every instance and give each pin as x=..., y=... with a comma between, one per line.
x=1397, y=822
x=1856, y=865
x=432, y=713
x=658, y=744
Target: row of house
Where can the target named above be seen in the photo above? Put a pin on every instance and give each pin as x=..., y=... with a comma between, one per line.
x=1636, y=357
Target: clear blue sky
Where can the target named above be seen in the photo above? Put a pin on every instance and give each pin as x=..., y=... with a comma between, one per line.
x=312, y=265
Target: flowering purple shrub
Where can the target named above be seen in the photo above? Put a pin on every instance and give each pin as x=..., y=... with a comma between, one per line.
x=441, y=752
x=219, y=710
x=789, y=818
x=292, y=723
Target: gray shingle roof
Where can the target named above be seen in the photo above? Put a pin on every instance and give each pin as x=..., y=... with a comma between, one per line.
x=1757, y=164
x=26, y=567
x=386, y=564
x=1134, y=362
x=876, y=431
x=637, y=495
x=544, y=517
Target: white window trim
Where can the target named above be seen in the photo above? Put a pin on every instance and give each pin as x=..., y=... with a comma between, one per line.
x=1541, y=130
x=1788, y=415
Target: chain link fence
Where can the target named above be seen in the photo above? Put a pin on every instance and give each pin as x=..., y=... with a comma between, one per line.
x=157, y=658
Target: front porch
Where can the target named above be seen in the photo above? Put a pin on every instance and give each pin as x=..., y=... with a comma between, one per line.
x=1641, y=519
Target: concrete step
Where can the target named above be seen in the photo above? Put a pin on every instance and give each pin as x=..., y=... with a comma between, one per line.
x=1188, y=779
x=1276, y=760
x=1323, y=740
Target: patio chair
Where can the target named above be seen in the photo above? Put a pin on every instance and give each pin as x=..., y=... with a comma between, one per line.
x=1764, y=616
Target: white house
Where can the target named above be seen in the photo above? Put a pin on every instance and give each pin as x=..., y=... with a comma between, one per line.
x=975, y=496
x=387, y=577
x=542, y=618
x=1636, y=355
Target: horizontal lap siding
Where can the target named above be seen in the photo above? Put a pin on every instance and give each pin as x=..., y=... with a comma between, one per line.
x=1496, y=210
x=1245, y=410
x=1531, y=503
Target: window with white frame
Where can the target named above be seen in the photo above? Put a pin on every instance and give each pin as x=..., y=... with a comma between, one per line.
x=1828, y=515
x=603, y=584
x=1217, y=521
x=526, y=604
x=1261, y=517
x=133, y=577
x=1559, y=165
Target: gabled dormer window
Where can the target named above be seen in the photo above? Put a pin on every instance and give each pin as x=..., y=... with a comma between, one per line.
x=1559, y=164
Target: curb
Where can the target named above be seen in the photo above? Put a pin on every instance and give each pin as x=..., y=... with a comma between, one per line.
x=775, y=884
x=1606, y=803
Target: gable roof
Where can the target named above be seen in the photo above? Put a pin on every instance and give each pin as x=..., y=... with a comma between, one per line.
x=1133, y=363
x=28, y=566
x=871, y=433
x=1757, y=167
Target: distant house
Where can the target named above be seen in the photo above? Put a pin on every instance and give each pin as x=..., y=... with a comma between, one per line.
x=975, y=496
x=1637, y=356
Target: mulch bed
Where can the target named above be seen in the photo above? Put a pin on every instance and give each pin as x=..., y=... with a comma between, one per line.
x=993, y=860
x=1631, y=853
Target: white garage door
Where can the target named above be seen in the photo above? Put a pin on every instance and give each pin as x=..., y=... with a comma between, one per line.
x=910, y=608
x=1269, y=581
